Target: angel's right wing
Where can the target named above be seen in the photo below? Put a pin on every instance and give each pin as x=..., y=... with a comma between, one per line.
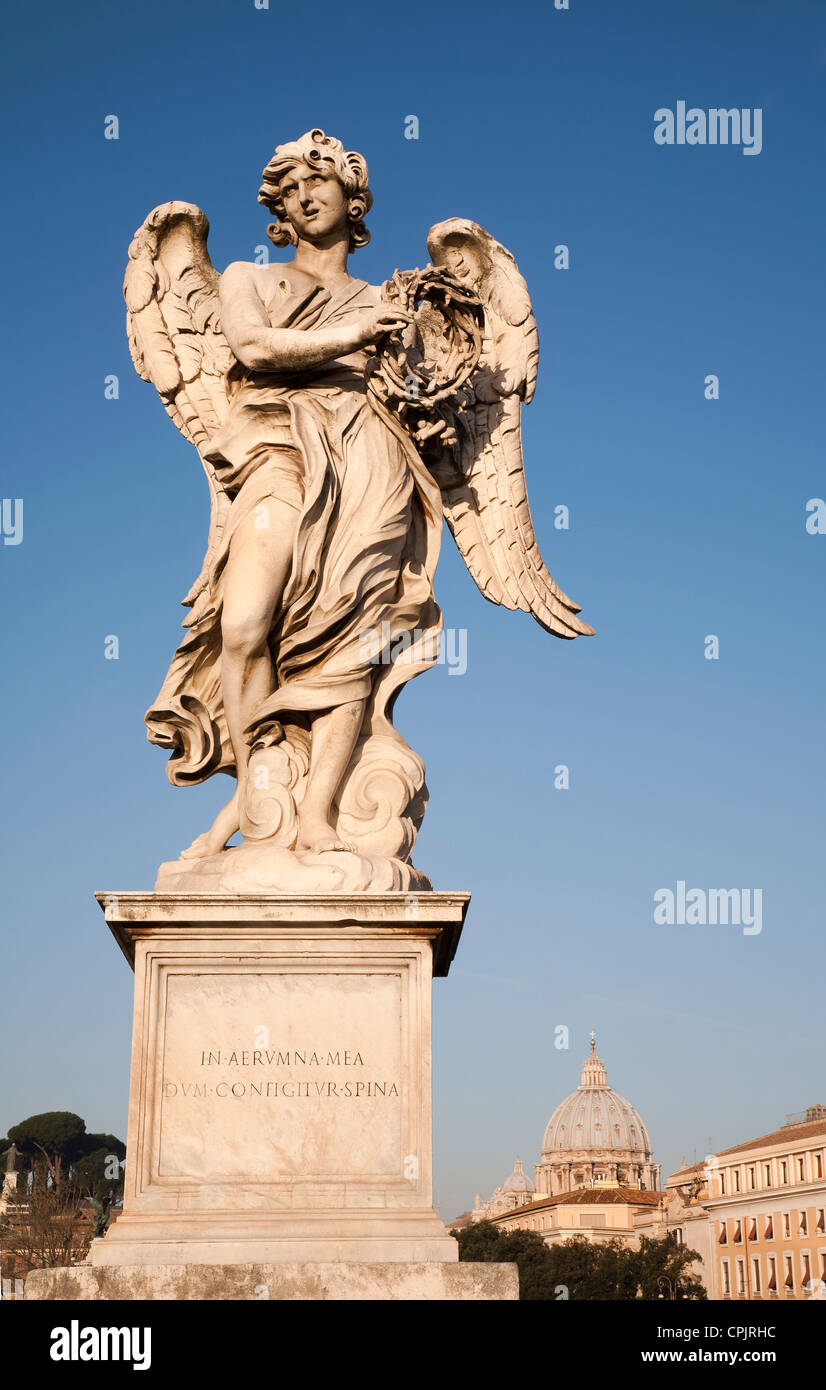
x=175, y=338
x=486, y=499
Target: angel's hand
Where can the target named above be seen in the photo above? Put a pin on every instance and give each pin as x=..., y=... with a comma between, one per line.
x=438, y=430
x=368, y=325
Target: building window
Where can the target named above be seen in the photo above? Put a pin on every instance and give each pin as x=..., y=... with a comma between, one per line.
x=723, y=1234
x=726, y=1280
x=767, y=1169
x=772, y=1275
x=753, y=1229
x=789, y=1280
x=787, y=1226
x=679, y=1234
x=737, y=1179
x=784, y=1171
x=752, y=1179
x=807, y=1270
x=769, y=1233
x=737, y=1237
x=755, y=1275
x=802, y=1224
x=741, y=1278
x=818, y=1165
x=821, y=1221
x=801, y=1171
x=722, y=1184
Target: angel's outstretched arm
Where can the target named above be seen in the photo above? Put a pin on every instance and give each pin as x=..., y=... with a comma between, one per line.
x=261, y=348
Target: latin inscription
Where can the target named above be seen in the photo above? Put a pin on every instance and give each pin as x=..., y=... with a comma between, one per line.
x=287, y=1088
x=269, y=1057
x=347, y=1090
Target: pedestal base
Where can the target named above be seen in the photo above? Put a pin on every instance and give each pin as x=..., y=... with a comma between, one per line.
x=341, y=1282
x=222, y=1238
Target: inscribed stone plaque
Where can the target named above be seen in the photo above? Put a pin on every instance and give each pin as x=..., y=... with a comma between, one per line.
x=281, y=1077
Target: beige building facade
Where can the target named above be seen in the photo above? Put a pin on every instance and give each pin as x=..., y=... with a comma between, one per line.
x=766, y=1208
x=755, y=1213
x=599, y=1213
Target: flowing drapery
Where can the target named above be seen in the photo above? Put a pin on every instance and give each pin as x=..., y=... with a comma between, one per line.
x=364, y=556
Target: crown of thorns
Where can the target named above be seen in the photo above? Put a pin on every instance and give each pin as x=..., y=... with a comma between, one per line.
x=429, y=360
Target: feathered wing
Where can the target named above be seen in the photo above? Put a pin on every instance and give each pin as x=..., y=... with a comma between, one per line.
x=172, y=319
x=486, y=500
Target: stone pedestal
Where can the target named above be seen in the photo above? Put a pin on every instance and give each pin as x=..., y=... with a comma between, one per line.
x=280, y=1100
x=280, y=1096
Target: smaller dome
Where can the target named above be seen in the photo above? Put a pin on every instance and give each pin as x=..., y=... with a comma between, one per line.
x=518, y=1180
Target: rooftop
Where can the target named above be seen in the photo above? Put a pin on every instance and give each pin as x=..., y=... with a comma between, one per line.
x=589, y=1197
x=793, y=1134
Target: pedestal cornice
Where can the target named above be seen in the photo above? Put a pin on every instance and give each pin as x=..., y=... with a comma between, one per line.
x=437, y=915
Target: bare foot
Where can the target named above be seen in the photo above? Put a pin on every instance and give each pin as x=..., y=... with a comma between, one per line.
x=212, y=841
x=315, y=835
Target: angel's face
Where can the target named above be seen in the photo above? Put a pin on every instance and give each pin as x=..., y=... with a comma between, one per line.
x=314, y=201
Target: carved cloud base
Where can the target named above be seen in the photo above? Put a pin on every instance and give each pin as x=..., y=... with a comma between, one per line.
x=280, y=1096
x=263, y=868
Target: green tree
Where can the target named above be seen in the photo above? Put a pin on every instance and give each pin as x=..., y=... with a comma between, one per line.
x=536, y=1273
x=663, y=1269
x=57, y=1136
x=587, y=1270
x=580, y=1266
x=479, y=1241
x=98, y=1173
x=483, y=1242
x=58, y=1139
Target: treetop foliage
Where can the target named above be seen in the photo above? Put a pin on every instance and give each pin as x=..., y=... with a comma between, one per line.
x=578, y=1268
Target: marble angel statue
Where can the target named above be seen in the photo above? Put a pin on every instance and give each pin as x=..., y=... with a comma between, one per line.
x=339, y=423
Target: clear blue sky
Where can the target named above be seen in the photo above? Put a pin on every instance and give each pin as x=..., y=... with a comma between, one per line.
x=687, y=519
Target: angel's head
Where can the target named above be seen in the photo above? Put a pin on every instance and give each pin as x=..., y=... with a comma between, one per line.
x=314, y=186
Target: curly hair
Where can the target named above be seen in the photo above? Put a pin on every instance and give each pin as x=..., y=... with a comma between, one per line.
x=315, y=149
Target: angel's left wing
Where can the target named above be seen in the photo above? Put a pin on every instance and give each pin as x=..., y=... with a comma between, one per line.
x=486, y=499
x=172, y=319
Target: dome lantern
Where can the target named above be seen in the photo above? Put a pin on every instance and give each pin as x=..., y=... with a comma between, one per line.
x=593, y=1068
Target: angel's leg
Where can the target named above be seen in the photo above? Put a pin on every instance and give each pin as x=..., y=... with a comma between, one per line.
x=257, y=569
x=224, y=826
x=334, y=737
